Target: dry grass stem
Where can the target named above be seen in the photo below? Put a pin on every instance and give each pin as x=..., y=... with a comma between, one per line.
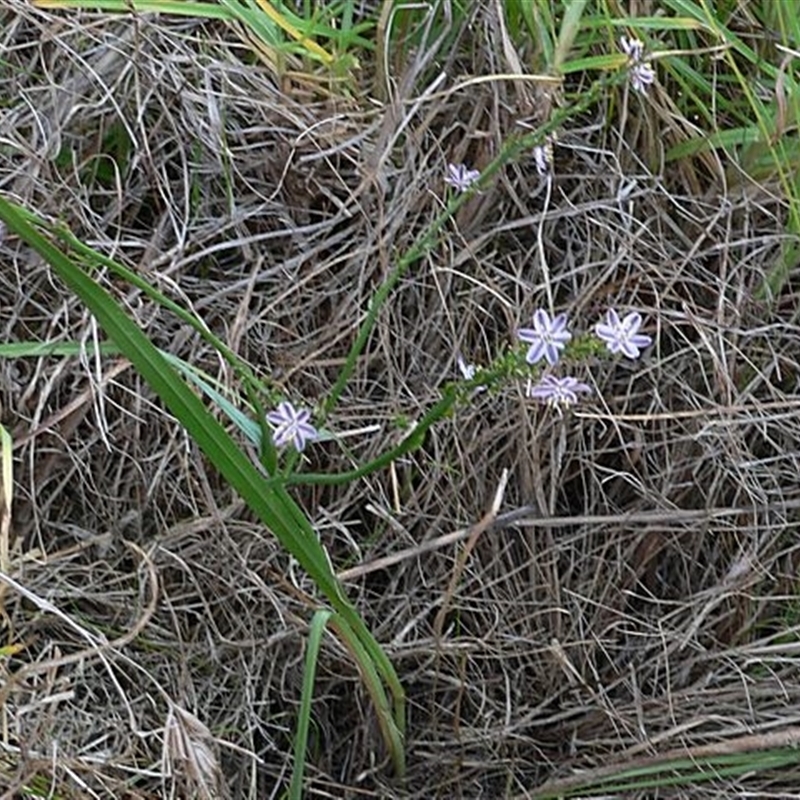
x=639, y=598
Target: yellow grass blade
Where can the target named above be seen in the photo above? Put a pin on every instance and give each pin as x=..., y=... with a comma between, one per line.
x=280, y=20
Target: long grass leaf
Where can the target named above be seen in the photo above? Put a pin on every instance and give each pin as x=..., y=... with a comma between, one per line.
x=316, y=629
x=271, y=502
x=185, y=9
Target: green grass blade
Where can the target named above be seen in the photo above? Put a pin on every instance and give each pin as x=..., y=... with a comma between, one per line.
x=271, y=502
x=372, y=680
x=93, y=259
x=259, y=16
x=183, y=403
x=570, y=25
x=42, y=349
x=316, y=629
x=185, y=9
x=675, y=772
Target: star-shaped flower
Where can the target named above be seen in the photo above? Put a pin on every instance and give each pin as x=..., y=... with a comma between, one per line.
x=467, y=370
x=642, y=73
x=461, y=178
x=558, y=391
x=290, y=425
x=468, y=373
x=633, y=48
x=622, y=335
x=546, y=338
x=543, y=158
x=642, y=76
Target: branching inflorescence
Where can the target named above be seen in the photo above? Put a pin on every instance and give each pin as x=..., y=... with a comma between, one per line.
x=547, y=338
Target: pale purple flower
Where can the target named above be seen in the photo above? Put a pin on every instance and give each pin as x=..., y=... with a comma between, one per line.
x=642, y=73
x=546, y=337
x=557, y=392
x=633, y=48
x=642, y=76
x=291, y=425
x=467, y=370
x=468, y=373
x=543, y=157
x=461, y=178
x=622, y=335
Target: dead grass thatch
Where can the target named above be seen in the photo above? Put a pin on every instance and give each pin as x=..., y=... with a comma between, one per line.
x=636, y=593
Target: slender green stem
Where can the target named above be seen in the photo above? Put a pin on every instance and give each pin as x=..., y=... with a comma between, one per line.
x=511, y=150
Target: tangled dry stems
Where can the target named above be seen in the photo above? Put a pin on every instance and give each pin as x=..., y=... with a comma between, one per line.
x=642, y=601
